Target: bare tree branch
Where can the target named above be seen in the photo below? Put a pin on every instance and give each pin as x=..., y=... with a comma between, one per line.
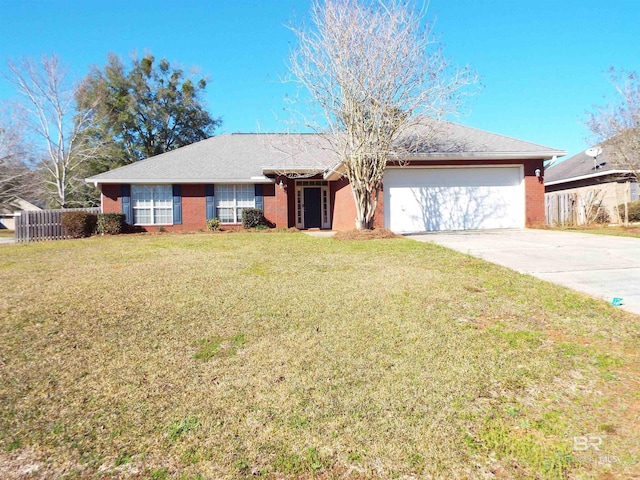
x=375, y=73
x=617, y=124
x=15, y=174
x=49, y=108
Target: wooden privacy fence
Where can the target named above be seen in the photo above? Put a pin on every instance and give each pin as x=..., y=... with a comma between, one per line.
x=37, y=225
x=587, y=205
x=560, y=208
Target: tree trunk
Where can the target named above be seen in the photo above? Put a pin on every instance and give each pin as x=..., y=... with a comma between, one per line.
x=366, y=203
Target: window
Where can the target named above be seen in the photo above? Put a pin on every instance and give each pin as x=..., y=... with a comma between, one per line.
x=231, y=199
x=152, y=204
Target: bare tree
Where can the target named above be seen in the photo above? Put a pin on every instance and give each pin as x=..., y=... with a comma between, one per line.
x=617, y=124
x=380, y=81
x=48, y=105
x=14, y=156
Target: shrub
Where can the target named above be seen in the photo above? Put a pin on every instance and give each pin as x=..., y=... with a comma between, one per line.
x=213, y=224
x=79, y=224
x=111, y=223
x=634, y=211
x=252, y=217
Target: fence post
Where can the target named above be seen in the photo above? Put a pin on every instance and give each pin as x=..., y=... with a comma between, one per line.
x=19, y=229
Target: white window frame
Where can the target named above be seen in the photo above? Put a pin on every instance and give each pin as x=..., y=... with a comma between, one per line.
x=152, y=206
x=232, y=202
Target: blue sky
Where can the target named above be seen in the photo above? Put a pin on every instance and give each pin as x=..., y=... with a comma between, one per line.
x=543, y=64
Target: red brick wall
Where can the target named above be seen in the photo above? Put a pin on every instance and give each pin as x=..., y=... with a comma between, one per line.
x=111, y=199
x=343, y=208
x=275, y=203
x=194, y=210
x=534, y=194
x=378, y=221
x=290, y=190
x=343, y=214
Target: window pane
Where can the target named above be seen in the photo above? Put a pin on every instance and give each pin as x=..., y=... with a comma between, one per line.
x=163, y=197
x=226, y=215
x=163, y=215
x=224, y=195
x=246, y=195
x=152, y=204
x=163, y=204
x=142, y=216
x=230, y=199
x=142, y=196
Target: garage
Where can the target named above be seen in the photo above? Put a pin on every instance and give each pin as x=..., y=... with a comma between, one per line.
x=426, y=199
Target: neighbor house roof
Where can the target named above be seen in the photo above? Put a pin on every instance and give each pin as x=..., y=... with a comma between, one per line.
x=249, y=158
x=583, y=167
x=17, y=204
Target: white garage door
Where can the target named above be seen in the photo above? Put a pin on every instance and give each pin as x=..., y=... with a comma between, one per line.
x=470, y=198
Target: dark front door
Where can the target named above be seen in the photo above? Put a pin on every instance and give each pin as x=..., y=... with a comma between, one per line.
x=312, y=210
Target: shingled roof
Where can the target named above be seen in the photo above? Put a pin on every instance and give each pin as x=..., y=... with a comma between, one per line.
x=448, y=140
x=582, y=166
x=229, y=158
x=248, y=158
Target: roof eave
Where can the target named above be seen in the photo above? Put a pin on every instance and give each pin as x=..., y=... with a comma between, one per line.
x=588, y=176
x=479, y=156
x=336, y=172
x=155, y=181
x=289, y=170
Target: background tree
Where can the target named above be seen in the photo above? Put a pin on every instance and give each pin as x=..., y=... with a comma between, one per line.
x=15, y=174
x=617, y=124
x=150, y=109
x=50, y=125
x=380, y=80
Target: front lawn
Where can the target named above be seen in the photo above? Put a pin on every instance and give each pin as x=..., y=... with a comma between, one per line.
x=285, y=356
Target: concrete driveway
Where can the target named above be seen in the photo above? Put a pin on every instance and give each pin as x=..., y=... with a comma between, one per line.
x=602, y=266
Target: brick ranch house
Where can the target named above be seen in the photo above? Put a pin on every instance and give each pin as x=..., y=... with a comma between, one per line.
x=468, y=179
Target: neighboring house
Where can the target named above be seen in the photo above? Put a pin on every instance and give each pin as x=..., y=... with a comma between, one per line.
x=464, y=179
x=8, y=213
x=583, y=189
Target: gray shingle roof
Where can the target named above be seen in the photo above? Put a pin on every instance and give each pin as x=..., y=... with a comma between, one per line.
x=582, y=165
x=452, y=139
x=225, y=158
x=237, y=158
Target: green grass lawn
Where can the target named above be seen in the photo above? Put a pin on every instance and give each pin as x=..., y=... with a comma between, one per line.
x=6, y=233
x=286, y=356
